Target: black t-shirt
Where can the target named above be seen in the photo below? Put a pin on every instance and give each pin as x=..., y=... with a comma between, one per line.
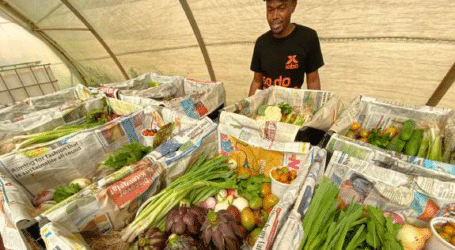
x=284, y=61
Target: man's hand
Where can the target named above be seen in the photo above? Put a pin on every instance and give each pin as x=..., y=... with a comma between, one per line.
x=256, y=83
x=312, y=80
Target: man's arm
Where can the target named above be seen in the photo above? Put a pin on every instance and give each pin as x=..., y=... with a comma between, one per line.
x=312, y=80
x=256, y=83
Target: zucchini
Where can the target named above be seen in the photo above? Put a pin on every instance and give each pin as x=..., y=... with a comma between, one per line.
x=396, y=144
x=408, y=128
x=413, y=145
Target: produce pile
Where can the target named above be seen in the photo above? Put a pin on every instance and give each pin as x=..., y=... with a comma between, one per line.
x=209, y=207
x=126, y=155
x=446, y=231
x=92, y=119
x=284, y=175
x=330, y=224
x=284, y=112
x=424, y=141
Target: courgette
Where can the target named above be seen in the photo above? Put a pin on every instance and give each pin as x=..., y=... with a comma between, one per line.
x=396, y=144
x=413, y=145
x=408, y=128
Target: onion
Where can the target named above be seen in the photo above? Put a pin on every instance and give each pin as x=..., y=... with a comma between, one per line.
x=209, y=203
x=44, y=196
x=221, y=195
x=83, y=182
x=240, y=203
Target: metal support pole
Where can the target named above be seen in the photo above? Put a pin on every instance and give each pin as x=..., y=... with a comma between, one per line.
x=197, y=33
x=443, y=87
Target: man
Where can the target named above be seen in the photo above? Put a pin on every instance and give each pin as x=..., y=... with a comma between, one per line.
x=283, y=55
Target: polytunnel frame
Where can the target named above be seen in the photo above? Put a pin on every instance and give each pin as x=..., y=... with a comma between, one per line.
x=435, y=98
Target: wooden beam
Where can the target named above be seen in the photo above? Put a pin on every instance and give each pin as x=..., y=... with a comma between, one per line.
x=97, y=36
x=443, y=87
x=197, y=33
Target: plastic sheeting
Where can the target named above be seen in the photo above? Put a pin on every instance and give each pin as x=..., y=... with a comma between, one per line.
x=387, y=49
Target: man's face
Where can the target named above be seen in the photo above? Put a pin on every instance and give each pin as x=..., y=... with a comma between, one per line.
x=279, y=15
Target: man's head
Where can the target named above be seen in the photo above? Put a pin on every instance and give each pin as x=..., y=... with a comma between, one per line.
x=279, y=16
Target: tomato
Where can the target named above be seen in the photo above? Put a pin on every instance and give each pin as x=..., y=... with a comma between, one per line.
x=364, y=133
x=248, y=219
x=269, y=201
x=355, y=126
x=284, y=175
x=266, y=189
x=391, y=130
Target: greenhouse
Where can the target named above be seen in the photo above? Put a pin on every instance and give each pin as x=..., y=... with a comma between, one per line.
x=138, y=124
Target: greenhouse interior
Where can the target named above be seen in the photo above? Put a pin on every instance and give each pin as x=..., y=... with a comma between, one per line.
x=215, y=124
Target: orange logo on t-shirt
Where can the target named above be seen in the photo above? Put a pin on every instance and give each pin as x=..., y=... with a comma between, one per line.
x=292, y=62
x=280, y=81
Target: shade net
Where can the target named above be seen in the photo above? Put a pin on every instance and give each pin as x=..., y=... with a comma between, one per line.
x=398, y=50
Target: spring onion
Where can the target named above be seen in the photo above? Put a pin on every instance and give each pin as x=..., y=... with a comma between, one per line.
x=204, y=178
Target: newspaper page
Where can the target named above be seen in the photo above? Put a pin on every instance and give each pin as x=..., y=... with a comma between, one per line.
x=12, y=237
x=182, y=150
x=63, y=97
x=200, y=98
x=322, y=110
x=393, y=160
x=273, y=131
x=291, y=235
x=59, y=162
x=415, y=199
x=194, y=98
x=47, y=119
x=13, y=133
x=449, y=139
x=374, y=113
x=247, y=148
x=76, y=156
x=141, y=101
x=160, y=87
x=111, y=202
x=57, y=237
x=272, y=235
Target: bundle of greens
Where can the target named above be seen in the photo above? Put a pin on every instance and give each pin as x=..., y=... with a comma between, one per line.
x=63, y=192
x=252, y=187
x=203, y=179
x=354, y=227
x=127, y=155
x=93, y=118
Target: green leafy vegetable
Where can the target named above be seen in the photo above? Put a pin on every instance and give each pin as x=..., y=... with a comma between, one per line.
x=251, y=188
x=261, y=109
x=378, y=139
x=285, y=108
x=153, y=84
x=354, y=227
x=127, y=155
x=63, y=192
x=206, y=176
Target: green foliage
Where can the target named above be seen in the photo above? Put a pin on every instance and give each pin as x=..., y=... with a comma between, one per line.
x=354, y=227
x=285, y=108
x=153, y=84
x=63, y=192
x=251, y=188
x=127, y=155
x=261, y=109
